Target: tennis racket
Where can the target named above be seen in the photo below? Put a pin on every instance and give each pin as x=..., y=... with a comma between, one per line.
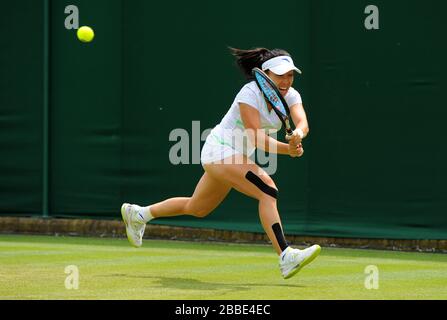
x=272, y=94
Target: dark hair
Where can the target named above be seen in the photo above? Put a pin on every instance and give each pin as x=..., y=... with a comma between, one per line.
x=254, y=58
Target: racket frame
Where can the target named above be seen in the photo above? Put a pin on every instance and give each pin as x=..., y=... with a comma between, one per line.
x=285, y=118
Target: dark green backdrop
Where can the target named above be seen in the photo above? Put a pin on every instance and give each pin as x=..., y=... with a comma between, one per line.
x=375, y=163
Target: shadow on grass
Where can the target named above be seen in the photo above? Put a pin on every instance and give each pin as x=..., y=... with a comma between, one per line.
x=194, y=284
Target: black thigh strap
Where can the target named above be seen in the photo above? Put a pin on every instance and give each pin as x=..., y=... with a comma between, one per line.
x=261, y=184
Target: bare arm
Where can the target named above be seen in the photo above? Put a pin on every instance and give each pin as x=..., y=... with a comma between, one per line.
x=299, y=118
x=302, y=128
x=252, y=123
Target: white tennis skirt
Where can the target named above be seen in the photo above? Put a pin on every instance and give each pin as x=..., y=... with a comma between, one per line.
x=215, y=150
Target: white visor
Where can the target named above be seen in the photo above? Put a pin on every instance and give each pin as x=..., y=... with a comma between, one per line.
x=280, y=65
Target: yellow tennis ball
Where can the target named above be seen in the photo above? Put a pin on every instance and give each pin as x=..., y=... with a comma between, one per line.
x=85, y=34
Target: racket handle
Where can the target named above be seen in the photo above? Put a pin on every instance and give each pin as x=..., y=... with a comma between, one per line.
x=289, y=130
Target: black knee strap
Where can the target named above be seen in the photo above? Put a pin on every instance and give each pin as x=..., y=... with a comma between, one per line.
x=261, y=184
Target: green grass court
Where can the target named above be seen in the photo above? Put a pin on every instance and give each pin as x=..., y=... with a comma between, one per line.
x=33, y=267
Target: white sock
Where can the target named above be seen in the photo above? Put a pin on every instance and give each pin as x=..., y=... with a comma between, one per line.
x=144, y=214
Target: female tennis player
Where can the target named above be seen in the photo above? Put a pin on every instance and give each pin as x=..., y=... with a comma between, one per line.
x=227, y=165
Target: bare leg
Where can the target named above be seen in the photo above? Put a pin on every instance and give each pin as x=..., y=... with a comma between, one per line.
x=234, y=175
x=209, y=193
x=170, y=207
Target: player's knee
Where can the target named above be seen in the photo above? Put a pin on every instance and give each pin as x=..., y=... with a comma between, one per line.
x=201, y=213
x=268, y=197
x=196, y=210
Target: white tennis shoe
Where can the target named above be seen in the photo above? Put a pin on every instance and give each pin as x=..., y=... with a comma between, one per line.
x=293, y=260
x=134, y=226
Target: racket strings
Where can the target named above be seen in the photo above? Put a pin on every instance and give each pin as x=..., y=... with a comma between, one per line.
x=272, y=97
x=269, y=92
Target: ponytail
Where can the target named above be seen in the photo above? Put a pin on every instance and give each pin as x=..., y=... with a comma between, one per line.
x=249, y=59
x=254, y=58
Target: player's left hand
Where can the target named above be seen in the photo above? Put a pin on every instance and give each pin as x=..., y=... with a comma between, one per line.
x=294, y=139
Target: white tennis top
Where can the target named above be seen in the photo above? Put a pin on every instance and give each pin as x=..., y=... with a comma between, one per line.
x=229, y=131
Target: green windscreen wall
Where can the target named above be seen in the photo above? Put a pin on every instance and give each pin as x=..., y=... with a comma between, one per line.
x=21, y=107
x=377, y=157
x=374, y=163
